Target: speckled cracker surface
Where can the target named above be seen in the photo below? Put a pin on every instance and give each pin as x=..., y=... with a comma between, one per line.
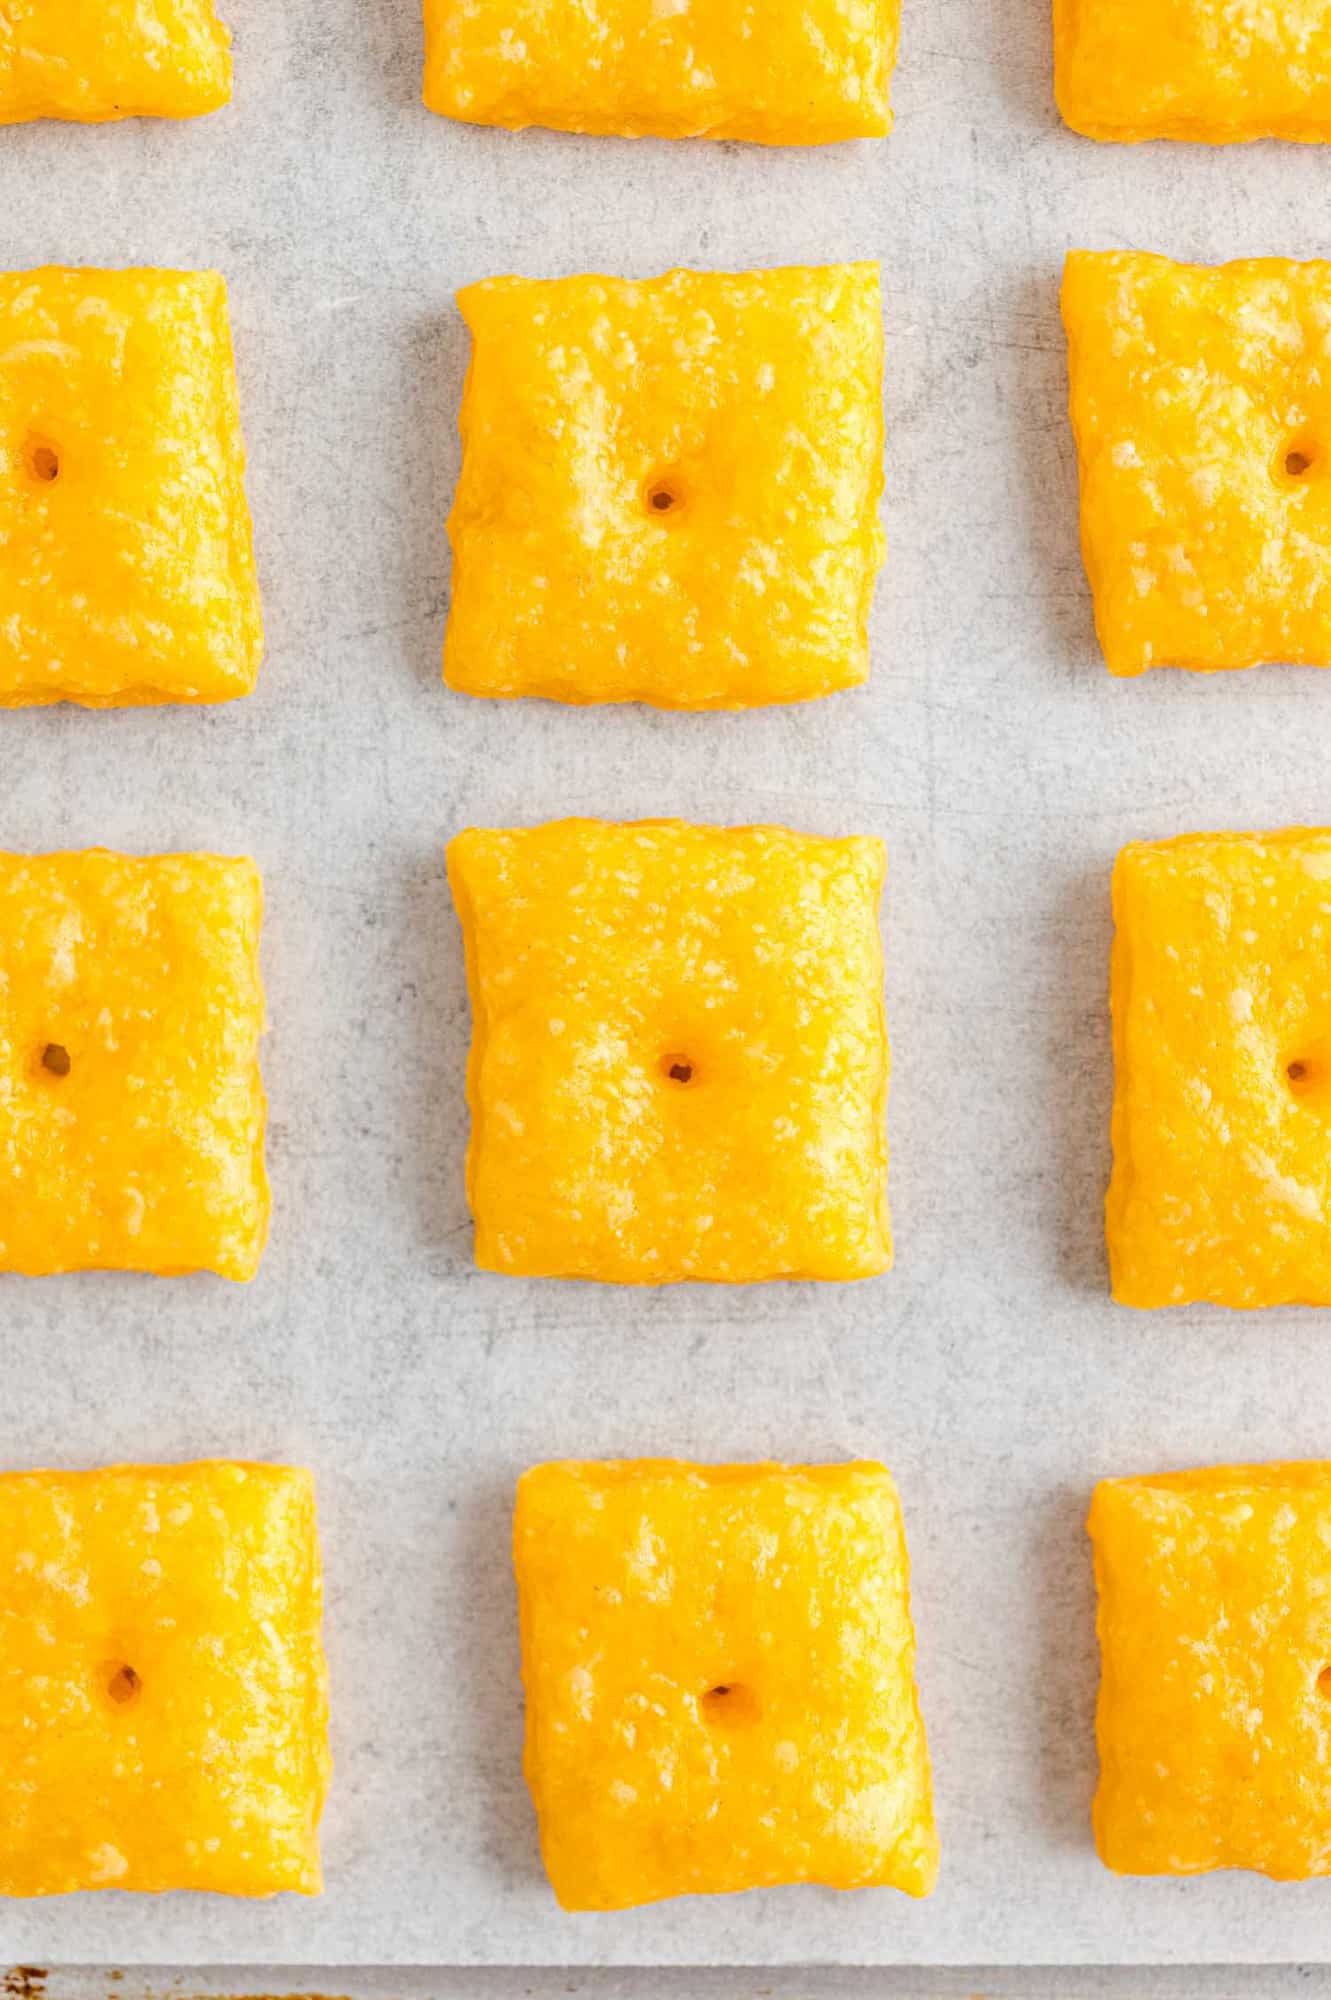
x=679, y=1058
x=163, y=1694
x=125, y=538
x=131, y=1106
x=789, y=73
x=720, y=1673
x=669, y=487
x=97, y=60
x=1194, y=69
x=1201, y=406
x=1215, y=1696
x=1221, y=993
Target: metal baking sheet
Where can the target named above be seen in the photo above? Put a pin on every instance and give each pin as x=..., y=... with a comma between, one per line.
x=991, y=751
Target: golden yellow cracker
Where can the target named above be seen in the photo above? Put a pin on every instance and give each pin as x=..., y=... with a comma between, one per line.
x=125, y=538
x=1215, y=1636
x=1201, y=407
x=669, y=488
x=798, y=73
x=1194, y=69
x=720, y=1673
x=163, y=1697
x=131, y=1106
x=679, y=1058
x=1221, y=996
x=97, y=60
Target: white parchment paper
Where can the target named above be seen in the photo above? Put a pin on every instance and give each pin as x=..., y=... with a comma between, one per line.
x=991, y=751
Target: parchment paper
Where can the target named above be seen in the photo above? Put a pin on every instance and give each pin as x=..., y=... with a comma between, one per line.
x=993, y=753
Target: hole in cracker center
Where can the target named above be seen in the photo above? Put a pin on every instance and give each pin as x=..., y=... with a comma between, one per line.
x=730, y=1705
x=123, y=1684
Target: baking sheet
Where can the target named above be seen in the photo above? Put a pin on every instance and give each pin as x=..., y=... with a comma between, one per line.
x=991, y=751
